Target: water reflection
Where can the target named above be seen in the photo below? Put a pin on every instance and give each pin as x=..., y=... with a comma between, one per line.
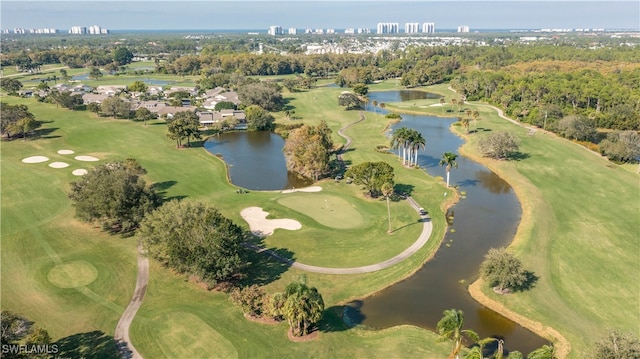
x=492, y=182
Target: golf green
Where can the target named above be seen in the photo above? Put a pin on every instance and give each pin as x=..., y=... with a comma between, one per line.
x=72, y=274
x=328, y=210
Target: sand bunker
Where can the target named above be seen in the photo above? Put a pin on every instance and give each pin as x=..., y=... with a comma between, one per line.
x=436, y=105
x=260, y=225
x=304, y=189
x=87, y=158
x=79, y=172
x=35, y=159
x=65, y=152
x=58, y=164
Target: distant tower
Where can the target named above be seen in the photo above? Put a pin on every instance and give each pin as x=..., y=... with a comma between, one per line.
x=463, y=28
x=411, y=28
x=275, y=30
x=429, y=28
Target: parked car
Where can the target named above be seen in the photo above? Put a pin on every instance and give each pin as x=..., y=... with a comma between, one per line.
x=422, y=211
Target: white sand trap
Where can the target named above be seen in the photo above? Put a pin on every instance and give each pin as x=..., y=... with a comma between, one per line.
x=65, y=152
x=58, y=164
x=260, y=225
x=436, y=105
x=87, y=158
x=304, y=189
x=79, y=172
x=35, y=159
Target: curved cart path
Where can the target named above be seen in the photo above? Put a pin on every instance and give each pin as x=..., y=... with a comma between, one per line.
x=125, y=347
x=427, y=228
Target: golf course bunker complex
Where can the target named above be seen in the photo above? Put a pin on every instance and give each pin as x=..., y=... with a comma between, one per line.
x=35, y=159
x=328, y=210
x=73, y=274
x=260, y=225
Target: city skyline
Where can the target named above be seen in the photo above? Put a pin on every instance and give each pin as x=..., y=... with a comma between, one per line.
x=212, y=15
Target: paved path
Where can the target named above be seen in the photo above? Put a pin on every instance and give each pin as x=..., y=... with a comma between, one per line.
x=427, y=228
x=125, y=347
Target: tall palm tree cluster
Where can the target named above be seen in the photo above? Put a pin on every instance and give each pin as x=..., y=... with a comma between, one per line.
x=408, y=141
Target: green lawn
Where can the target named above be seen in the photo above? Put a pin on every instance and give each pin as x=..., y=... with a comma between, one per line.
x=579, y=232
x=43, y=246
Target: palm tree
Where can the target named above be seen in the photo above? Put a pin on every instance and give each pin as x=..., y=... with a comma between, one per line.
x=442, y=102
x=418, y=141
x=476, y=116
x=450, y=328
x=387, y=190
x=453, y=103
x=477, y=352
x=449, y=160
x=375, y=104
x=399, y=140
x=382, y=105
x=465, y=123
x=303, y=307
x=544, y=352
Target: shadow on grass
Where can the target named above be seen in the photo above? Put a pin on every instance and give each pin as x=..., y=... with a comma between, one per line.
x=267, y=264
x=403, y=190
x=333, y=319
x=530, y=281
x=518, y=156
x=94, y=344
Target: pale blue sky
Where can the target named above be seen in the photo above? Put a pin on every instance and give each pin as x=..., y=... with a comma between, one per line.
x=239, y=14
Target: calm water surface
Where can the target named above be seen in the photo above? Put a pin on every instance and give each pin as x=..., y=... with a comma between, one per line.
x=255, y=160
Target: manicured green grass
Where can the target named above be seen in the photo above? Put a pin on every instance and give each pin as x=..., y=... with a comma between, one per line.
x=39, y=233
x=328, y=210
x=579, y=231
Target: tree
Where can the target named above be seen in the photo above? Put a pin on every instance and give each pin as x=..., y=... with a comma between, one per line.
x=143, y=114
x=183, y=125
x=137, y=86
x=64, y=74
x=417, y=141
x=258, y=119
x=250, y=299
x=122, y=56
x=450, y=328
x=544, y=352
x=476, y=117
x=115, y=196
x=194, y=238
x=360, y=89
x=387, y=191
x=372, y=175
x=308, y=149
x=25, y=125
x=465, y=123
x=350, y=100
x=12, y=86
x=621, y=146
x=14, y=327
x=95, y=73
x=503, y=270
x=116, y=107
x=615, y=345
x=224, y=105
x=477, y=352
x=93, y=107
x=303, y=307
x=499, y=145
x=263, y=95
x=577, y=127
x=10, y=115
x=449, y=161
x=442, y=102
x=399, y=141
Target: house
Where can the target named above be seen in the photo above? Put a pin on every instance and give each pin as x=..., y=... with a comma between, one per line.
x=169, y=111
x=229, y=96
x=110, y=90
x=190, y=90
x=152, y=106
x=208, y=118
x=93, y=98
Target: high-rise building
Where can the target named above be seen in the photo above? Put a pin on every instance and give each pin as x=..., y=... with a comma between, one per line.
x=293, y=31
x=411, y=28
x=387, y=28
x=95, y=30
x=429, y=28
x=463, y=28
x=78, y=30
x=275, y=30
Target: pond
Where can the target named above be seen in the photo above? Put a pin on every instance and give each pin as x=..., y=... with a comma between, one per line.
x=255, y=160
x=486, y=218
